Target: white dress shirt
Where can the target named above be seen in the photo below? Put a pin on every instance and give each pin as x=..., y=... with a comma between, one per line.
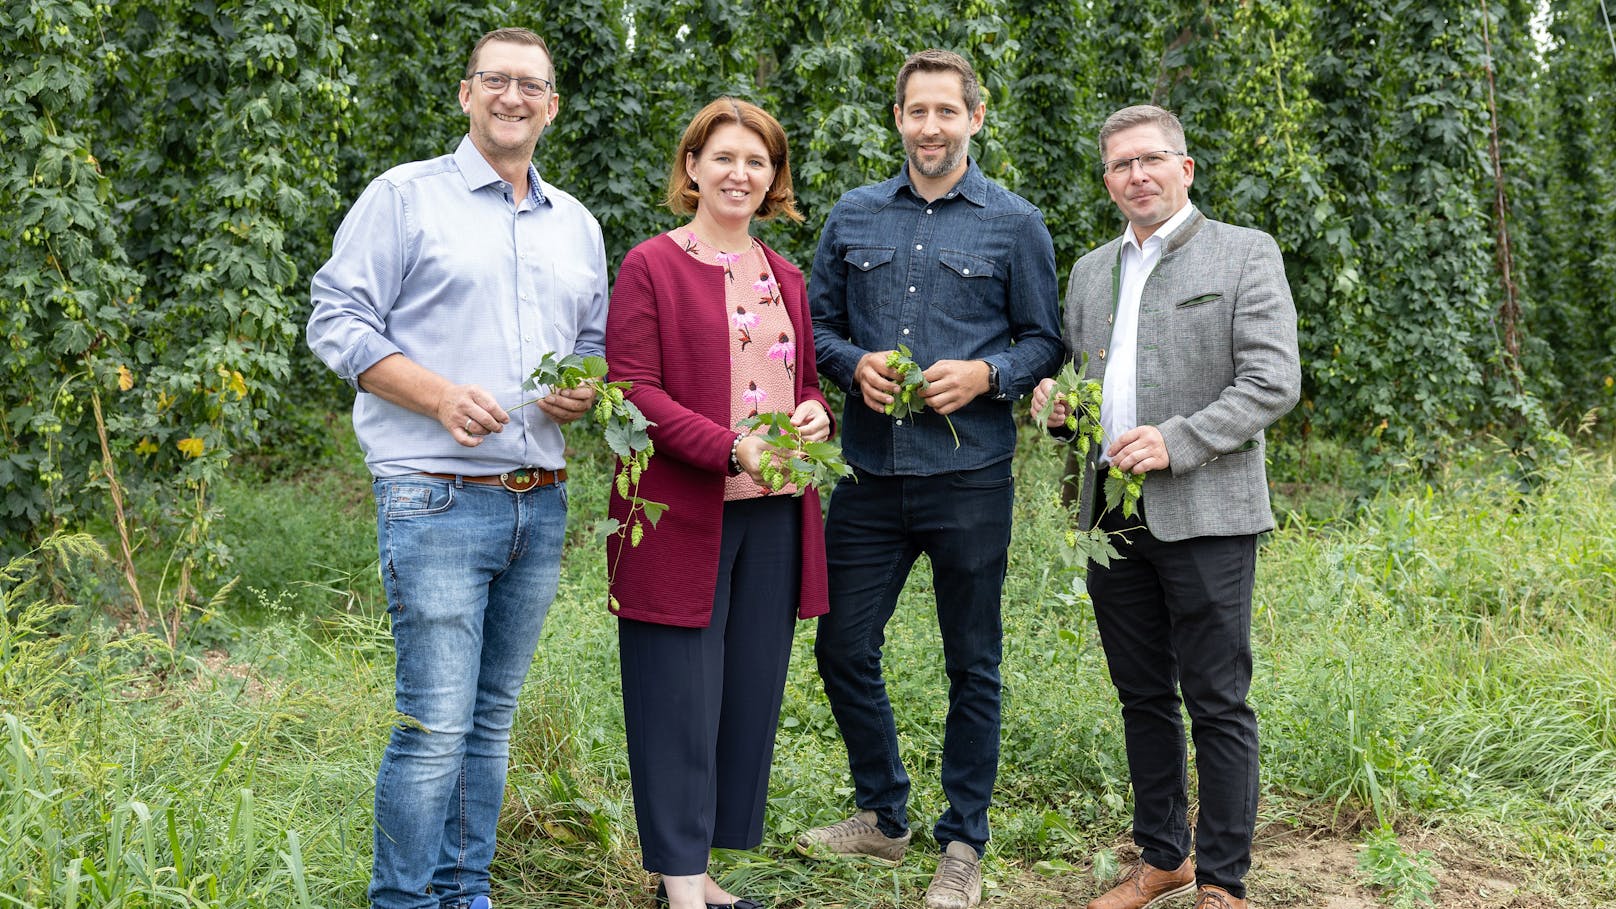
x=1119, y=411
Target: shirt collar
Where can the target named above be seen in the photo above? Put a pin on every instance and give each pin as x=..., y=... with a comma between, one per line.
x=1163, y=232
x=478, y=173
x=973, y=186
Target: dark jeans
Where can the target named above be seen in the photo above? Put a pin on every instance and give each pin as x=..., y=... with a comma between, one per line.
x=878, y=527
x=701, y=705
x=1176, y=617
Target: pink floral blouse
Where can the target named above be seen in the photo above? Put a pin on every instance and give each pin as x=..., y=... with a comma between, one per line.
x=762, y=343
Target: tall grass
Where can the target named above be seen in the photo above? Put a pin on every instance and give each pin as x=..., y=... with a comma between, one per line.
x=1436, y=654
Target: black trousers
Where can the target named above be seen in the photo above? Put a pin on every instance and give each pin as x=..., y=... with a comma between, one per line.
x=701, y=704
x=1176, y=618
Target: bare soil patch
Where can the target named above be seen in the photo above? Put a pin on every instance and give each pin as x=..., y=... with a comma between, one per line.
x=1317, y=868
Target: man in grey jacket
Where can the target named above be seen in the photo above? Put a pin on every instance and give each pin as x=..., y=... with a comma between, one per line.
x=1189, y=324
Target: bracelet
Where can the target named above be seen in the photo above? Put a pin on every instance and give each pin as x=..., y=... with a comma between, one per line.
x=734, y=449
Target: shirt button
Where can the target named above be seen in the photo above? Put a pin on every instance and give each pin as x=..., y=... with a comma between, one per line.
x=965, y=271
x=911, y=288
x=920, y=246
x=866, y=265
x=898, y=422
x=906, y=331
x=928, y=211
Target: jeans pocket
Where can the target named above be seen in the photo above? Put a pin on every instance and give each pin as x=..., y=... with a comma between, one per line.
x=411, y=498
x=984, y=479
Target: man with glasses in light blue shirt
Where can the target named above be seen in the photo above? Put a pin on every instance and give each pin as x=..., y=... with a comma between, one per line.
x=448, y=281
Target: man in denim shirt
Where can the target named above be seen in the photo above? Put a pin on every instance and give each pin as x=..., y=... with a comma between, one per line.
x=961, y=272
x=448, y=281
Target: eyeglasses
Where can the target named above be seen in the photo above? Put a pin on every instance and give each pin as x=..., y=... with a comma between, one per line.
x=1148, y=160
x=531, y=87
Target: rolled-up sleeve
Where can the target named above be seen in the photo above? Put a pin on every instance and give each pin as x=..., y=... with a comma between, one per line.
x=353, y=292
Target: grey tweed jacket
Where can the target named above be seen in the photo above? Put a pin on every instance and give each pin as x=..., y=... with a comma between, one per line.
x=1217, y=364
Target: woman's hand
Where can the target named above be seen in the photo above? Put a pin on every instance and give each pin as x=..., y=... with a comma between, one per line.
x=812, y=421
x=749, y=454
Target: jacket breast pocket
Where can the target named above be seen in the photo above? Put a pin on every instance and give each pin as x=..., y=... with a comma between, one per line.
x=1198, y=299
x=970, y=284
x=870, y=277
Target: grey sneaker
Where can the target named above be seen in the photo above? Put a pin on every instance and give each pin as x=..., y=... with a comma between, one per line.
x=958, y=881
x=856, y=836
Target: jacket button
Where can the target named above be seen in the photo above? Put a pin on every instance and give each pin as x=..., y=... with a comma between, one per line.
x=1102, y=353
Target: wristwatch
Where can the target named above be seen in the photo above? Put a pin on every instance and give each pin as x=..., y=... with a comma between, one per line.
x=993, y=380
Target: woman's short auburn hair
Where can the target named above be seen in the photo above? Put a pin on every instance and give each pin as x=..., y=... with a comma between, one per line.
x=781, y=200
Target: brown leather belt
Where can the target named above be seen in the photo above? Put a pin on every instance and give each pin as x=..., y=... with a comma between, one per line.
x=521, y=479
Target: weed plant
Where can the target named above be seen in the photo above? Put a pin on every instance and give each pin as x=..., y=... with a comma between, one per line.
x=1435, y=655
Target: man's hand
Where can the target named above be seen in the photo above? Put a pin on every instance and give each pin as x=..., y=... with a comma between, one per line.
x=812, y=421
x=954, y=384
x=1040, y=398
x=875, y=380
x=470, y=413
x=566, y=405
x=1138, y=450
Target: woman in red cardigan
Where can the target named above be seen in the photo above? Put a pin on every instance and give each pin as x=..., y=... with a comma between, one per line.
x=712, y=327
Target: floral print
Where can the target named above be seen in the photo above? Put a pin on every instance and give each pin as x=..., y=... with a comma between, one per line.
x=786, y=352
x=743, y=322
x=762, y=374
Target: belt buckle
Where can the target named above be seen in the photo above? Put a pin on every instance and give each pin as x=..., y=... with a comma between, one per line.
x=520, y=480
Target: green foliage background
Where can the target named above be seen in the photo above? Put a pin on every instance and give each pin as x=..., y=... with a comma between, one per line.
x=173, y=173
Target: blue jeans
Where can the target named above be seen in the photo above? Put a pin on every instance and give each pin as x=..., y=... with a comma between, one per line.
x=470, y=571
x=877, y=528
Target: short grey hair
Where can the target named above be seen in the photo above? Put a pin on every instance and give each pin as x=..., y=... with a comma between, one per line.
x=1144, y=115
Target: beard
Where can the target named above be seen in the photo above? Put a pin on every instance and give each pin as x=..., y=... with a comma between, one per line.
x=953, y=153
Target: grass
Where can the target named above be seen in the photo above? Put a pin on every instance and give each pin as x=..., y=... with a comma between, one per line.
x=1435, y=654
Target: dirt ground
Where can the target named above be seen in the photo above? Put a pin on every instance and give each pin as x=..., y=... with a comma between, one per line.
x=1318, y=869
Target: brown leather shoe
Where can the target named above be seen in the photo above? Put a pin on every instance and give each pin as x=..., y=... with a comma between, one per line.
x=1211, y=896
x=1145, y=886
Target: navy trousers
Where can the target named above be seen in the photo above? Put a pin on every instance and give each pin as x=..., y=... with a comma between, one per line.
x=701, y=705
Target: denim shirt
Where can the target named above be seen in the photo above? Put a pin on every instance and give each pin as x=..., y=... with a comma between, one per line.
x=970, y=276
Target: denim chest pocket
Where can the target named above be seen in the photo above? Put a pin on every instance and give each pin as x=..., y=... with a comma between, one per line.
x=870, y=276
x=408, y=500
x=970, y=284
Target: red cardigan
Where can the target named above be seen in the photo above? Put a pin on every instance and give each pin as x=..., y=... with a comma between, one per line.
x=667, y=335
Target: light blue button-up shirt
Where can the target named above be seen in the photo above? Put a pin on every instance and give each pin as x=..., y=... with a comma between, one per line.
x=436, y=263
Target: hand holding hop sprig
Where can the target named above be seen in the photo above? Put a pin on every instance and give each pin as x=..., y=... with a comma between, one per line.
x=1080, y=399
x=912, y=382
x=790, y=459
x=623, y=426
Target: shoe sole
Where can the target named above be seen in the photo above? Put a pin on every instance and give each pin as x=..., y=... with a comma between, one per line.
x=822, y=852
x=1186, y=890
